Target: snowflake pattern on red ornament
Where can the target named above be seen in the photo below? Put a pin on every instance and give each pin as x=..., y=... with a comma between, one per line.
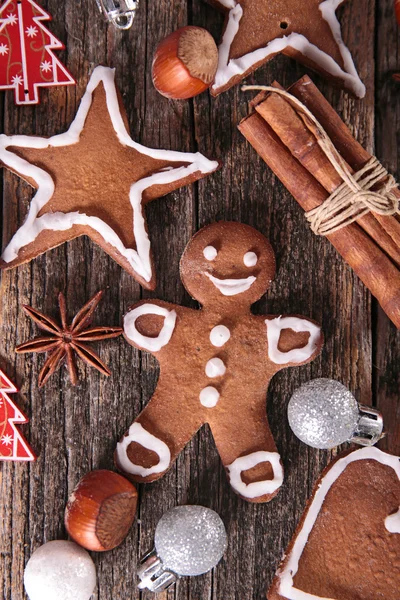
x=13, y=446
x=26, y=58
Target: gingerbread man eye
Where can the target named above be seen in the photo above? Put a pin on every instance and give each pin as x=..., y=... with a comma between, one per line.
x=210, y=253
x=250, y=259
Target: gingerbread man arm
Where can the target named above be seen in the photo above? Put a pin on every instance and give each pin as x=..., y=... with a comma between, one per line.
x=292, y=340
x=150, y=324
x=154, y=440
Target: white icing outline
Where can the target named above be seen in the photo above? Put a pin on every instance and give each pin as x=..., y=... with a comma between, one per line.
x=258, y=488
x=297, y=355
x=54, y=44
x=208, y=397
x=392, y=522
x=139, y=259
x=219, y=339
x=215, y=367
x=287, y=574
x=138, y=434
x=143, y=341
x=230, y=68
x=231, y=287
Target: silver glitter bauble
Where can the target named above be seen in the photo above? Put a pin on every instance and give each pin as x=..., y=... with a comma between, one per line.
x=189, y=540
x=60, y=570
x=323, y=413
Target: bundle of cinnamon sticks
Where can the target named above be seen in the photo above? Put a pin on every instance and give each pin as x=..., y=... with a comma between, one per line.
x=289, y=145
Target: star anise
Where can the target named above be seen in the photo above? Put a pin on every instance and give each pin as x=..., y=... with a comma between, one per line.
x=66, y=340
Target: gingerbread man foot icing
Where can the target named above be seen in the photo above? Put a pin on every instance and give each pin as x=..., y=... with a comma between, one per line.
x=216, y=363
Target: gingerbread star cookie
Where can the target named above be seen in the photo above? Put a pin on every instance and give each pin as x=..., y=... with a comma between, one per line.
x=95, y=180
x=257, y=30
x=216, y=363
x=347, y=545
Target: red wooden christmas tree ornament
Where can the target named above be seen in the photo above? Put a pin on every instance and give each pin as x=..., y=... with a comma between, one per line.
x=26, y=58
x=12, y=445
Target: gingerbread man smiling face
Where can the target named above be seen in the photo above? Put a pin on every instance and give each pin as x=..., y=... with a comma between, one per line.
x=227, y=265
x=216, y=363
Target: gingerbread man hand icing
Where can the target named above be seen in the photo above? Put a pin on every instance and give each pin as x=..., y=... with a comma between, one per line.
x=216, y=363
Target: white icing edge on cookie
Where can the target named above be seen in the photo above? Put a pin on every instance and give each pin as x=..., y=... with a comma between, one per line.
x=138, y=434
x=231, y=287
x=228, y=3
x=297, y=355
x=287, y=574
x=258, y=488
x=392, y=522
x=153, y=344
x=139, y=259
x=230, y=68
x=219, y=335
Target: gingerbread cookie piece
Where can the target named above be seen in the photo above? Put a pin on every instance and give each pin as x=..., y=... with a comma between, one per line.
x=94, y=180
x=347, y=545
x=256, y=30
x=216, y=363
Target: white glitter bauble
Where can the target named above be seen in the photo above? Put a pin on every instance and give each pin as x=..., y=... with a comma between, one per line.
x=323, y=413
x=190, y=540
x=60, y=571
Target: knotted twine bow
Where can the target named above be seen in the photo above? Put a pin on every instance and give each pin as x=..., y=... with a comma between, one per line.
x=354, y=198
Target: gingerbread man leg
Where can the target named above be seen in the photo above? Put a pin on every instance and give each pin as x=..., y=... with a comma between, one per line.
x=156, y=437
x=248, y=452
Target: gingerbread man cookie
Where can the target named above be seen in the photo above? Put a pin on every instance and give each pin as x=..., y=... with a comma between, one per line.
x=347, y=545
x=216, y=363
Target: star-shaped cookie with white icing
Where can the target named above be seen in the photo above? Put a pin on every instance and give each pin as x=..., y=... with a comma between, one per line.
x=95, y=180
x=257, y=30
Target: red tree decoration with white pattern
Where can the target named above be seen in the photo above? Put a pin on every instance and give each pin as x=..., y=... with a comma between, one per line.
x=26, y=58
x=12, y=444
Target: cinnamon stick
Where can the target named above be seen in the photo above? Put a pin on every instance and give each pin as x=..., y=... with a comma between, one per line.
x=371, y=265
x=351, y=150
x=302, y=143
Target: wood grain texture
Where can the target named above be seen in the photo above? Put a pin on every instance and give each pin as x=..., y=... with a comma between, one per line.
x=74, y=430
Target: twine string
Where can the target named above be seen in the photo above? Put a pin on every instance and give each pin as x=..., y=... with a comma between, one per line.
x=355, y=197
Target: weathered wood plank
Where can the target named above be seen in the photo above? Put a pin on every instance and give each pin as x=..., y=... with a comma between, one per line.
x=387, y=339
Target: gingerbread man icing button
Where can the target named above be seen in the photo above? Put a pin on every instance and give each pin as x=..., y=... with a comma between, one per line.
x=216, y=363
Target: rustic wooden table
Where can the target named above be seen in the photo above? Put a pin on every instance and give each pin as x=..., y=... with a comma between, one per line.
x=74, y=430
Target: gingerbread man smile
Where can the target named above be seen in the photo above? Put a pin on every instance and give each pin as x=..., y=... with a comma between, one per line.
x=231, y=286
x=216, y=363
